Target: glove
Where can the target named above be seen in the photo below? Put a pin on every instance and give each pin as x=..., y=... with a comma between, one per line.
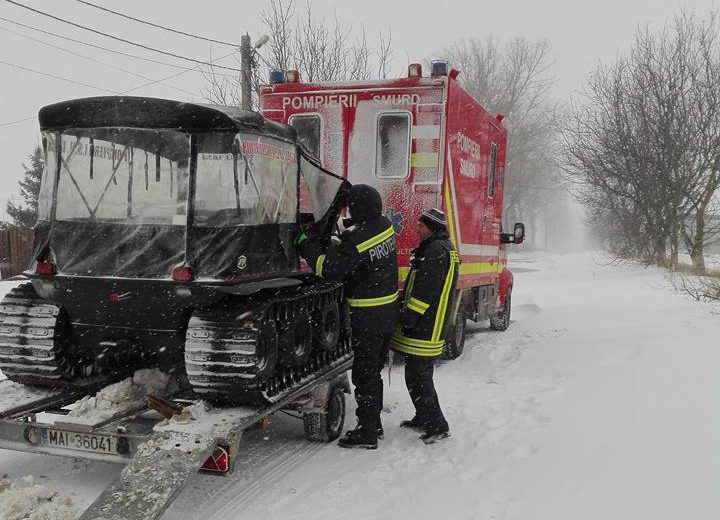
x=302, y=237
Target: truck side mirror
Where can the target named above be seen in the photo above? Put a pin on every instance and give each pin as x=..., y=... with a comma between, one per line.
x=516, y=237
x=519, y=233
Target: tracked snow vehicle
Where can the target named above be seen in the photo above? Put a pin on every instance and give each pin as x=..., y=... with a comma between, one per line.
x=164, y=238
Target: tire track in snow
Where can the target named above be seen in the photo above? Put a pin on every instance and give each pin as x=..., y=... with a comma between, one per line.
x=265, y=457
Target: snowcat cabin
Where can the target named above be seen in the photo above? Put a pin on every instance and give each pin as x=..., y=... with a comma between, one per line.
x=137, y=187
x=151, y=208
x=423, y=142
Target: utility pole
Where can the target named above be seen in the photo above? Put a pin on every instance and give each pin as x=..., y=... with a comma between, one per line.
x=246, y=74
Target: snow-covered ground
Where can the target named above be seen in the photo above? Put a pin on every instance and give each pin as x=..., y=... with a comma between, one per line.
x=601, y=401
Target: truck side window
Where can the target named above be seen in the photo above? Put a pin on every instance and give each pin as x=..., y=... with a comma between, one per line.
x=309, y=130
x=392, y=146
x=493, y=169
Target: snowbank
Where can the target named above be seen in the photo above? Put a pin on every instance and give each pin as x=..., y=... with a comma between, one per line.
x=23, y=499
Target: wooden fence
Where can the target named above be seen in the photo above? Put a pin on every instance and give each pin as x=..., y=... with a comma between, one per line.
x=15, y=251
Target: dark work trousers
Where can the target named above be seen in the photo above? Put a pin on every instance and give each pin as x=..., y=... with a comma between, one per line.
x=419, y=381
x=371, y=333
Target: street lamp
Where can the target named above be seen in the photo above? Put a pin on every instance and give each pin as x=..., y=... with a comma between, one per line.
x=246, y=66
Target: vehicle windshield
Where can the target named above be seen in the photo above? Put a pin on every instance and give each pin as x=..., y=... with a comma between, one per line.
x=120, y=175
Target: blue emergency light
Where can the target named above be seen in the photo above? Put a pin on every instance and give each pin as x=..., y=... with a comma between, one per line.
x=439, y=68
x=277, y=76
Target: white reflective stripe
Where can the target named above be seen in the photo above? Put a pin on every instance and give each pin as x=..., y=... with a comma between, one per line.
x=426, y=132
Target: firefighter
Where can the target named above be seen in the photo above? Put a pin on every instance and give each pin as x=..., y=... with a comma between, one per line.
x=365, y=262
x=425, y=314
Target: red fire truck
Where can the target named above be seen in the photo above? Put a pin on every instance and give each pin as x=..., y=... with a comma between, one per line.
x=423, y=142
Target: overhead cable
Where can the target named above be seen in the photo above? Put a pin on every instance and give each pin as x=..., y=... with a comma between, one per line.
x=56, y=77
x=173, y=65
x=129, y=42
x=157, y=25
x=92, y=59
x=121, y=93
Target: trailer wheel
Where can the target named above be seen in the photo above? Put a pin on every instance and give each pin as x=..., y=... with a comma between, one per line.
x=327, y=425
x=327, y=327
x=501, y=319
x=266, y=350
x=455, y=343
x=296, y=341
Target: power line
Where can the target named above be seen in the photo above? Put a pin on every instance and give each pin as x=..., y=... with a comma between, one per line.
x=92, y=59
x=121, y=93
x=129, y=42
x=56, y=77
x=112, y=50
x=17, y=121
x=156, y=25
x=169, y=77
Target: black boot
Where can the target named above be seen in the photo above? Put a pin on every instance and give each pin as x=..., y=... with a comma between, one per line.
x=360, y=438
x=435, y=434
x=413, y=424
x=380, y=431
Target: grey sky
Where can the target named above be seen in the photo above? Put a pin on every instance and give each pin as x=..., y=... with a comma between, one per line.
x=580, y=34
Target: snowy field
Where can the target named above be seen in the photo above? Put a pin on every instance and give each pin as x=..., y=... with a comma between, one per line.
x=601, y=401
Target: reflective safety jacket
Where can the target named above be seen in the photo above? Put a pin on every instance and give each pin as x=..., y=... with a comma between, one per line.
x=365, y=261
x=429, y=297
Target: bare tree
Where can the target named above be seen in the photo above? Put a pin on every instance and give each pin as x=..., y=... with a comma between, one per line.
x=301, y=40
x=514, y=79
x=641, y=142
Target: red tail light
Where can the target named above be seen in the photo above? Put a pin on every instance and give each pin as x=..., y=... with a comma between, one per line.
x=45, y=267
x=183, y=274
x=217, y=462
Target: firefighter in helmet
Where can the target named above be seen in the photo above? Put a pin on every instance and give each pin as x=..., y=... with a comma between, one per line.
x=365, y=262
x=426, y=312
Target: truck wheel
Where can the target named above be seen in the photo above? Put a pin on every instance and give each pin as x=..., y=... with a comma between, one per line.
x=501, y=319
x=327, y=425
x=296, y=341
x=327, y=327
x=266, y=351
x=455, y=342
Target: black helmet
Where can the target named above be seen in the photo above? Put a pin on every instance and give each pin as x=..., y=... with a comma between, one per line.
x=364, y=202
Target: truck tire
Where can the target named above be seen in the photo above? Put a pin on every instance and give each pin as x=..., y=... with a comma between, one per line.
x=296, y=341
x=455, y=342
x=501, y=319
x=327, y=425
x=326, y=327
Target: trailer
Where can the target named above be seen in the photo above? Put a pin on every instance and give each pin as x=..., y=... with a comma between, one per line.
x=161, y=456
x=423, y=142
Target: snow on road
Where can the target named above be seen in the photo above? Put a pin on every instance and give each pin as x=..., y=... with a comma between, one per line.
x=600, y=401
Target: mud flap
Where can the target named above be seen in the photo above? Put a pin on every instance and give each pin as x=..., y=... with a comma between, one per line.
x=161, y=468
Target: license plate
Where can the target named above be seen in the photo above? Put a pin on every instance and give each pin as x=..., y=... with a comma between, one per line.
x=106, y=444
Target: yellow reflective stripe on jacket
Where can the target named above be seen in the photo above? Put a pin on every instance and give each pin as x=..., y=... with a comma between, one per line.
x=416, y=347
x=373, y=302
x=319, y=265
x=416, y=305
x=409, y=286
x=377, y=239
x=444, y=297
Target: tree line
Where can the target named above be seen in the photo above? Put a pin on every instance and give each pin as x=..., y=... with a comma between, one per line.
x=641, y=144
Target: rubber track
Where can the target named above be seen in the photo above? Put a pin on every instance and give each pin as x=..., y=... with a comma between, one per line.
x=29, y=349
x=220, y=353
